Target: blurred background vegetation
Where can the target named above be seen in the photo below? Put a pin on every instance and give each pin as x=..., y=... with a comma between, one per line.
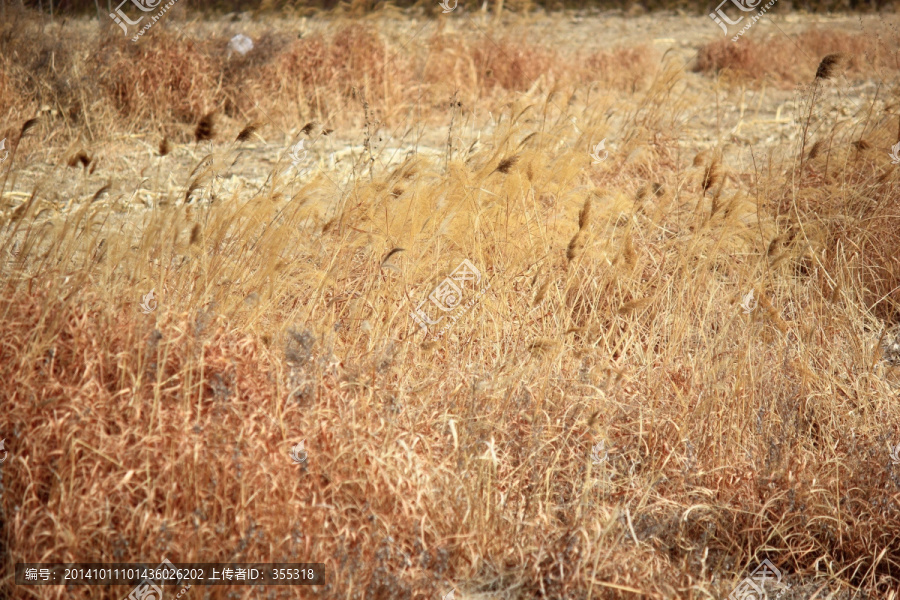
x=431, y=6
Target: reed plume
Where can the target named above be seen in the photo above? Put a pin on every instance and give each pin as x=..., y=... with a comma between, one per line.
x=506, y=164
x=577, y=241
x=27, y=126
x=81, y=157
x=194, y=186
x=205, y=129
x=390, y=254
x=829, y=65
x=542, y=291
x=247, y=131
x=711, y=174
x=584, y=214
x=815, y=150
x=100, y=192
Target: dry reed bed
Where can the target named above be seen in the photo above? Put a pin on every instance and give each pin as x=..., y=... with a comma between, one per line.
x=781, y=59
x=88, y=81
x=613, y=314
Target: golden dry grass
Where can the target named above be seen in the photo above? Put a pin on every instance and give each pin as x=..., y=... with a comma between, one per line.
x=613, y=314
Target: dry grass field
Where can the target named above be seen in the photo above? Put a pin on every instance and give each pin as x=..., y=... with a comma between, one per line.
x=672, y=352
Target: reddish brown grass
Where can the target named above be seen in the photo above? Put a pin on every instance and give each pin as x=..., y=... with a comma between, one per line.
x=787, y=61
x=461, y=462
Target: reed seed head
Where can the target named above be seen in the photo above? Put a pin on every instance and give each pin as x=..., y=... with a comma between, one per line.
x=205, y=128
x=815, y=150
x=829, y=65
x=541, y=292
x=506, y=164
x=82, y=157
x=712, y=174
x=100, y=192
x=248, y=131
x=390, y=254
x=27, y=125
x=195, y=185
x=575, y=244
x=584, y=215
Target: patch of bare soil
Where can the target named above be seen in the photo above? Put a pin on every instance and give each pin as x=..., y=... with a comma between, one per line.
x=744, y=119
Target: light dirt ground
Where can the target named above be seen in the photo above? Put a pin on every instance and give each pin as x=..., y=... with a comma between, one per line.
x=757, y=122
